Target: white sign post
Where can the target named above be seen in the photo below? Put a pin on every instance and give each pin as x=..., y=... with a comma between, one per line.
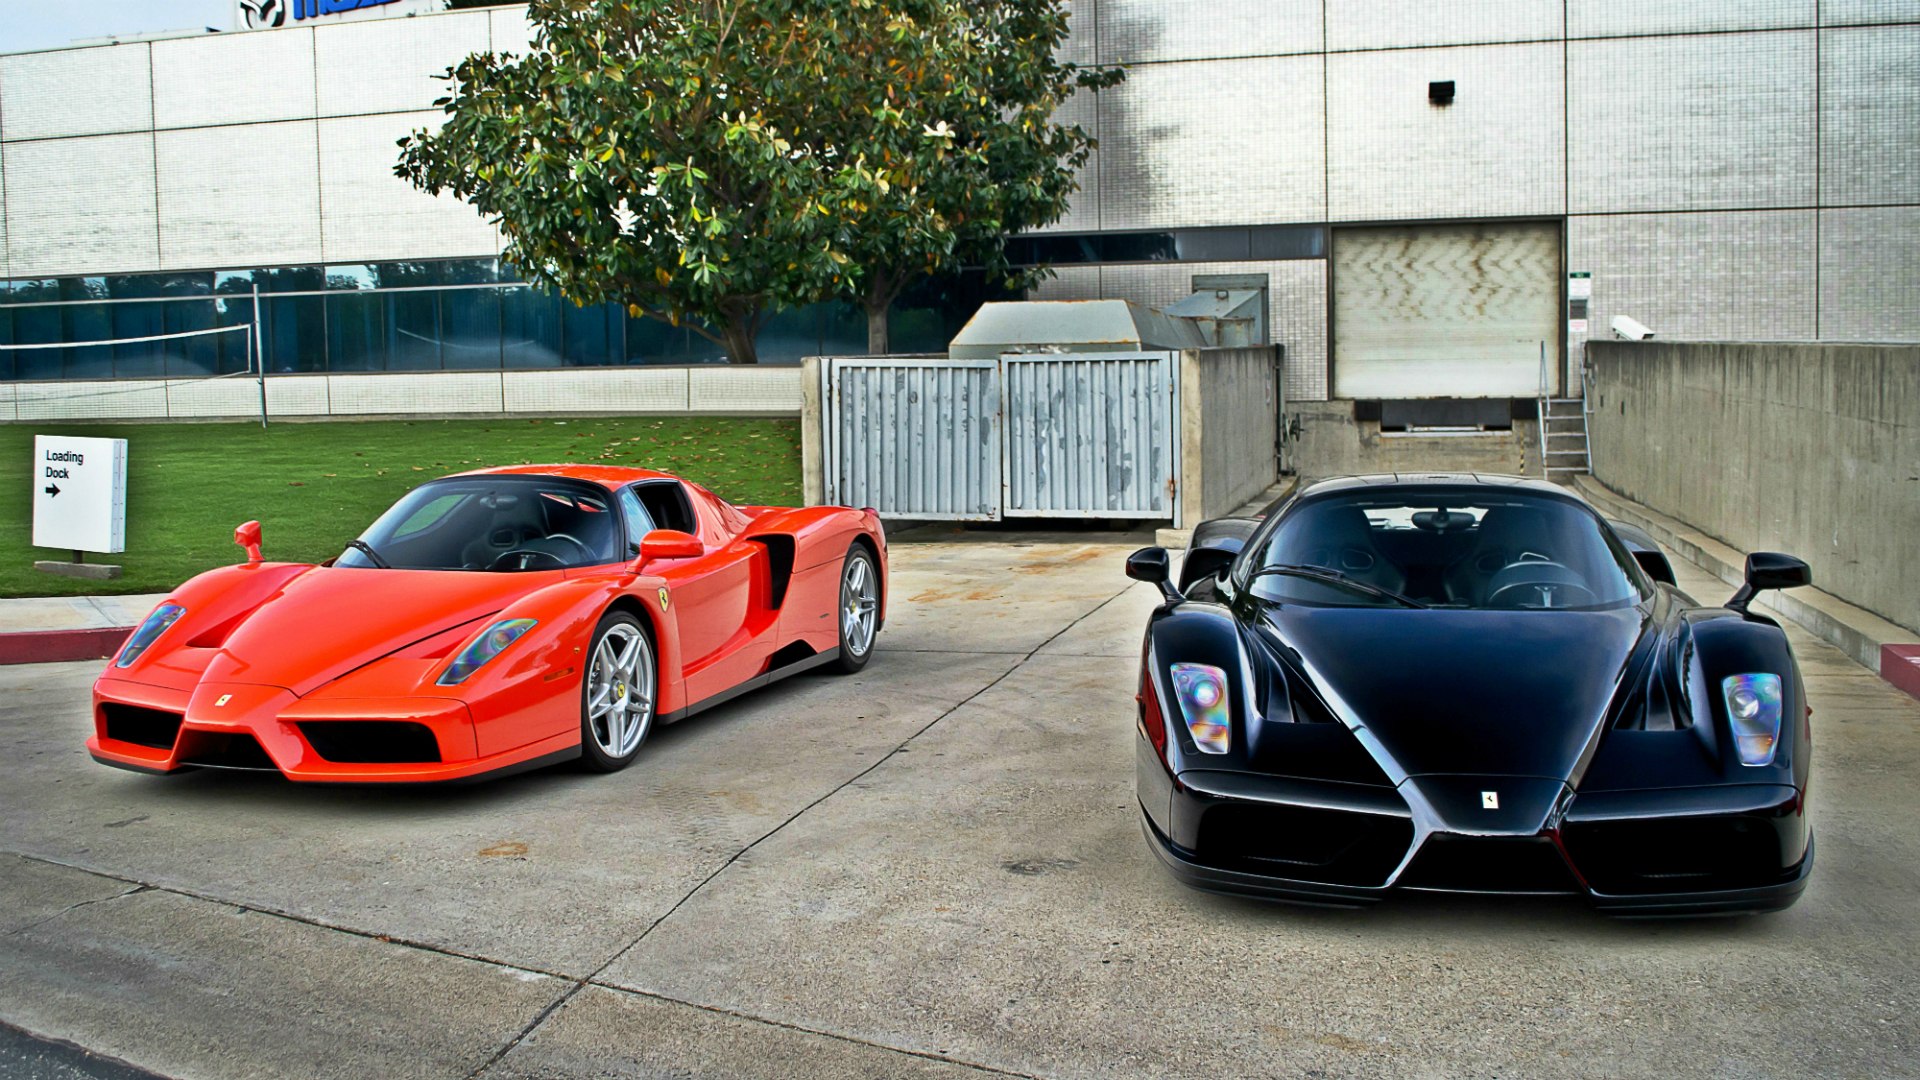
x=79, y=501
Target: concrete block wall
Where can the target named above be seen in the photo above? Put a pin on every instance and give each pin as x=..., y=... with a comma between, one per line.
x=1229, y=409
x=711, y=391
x=1810, y=449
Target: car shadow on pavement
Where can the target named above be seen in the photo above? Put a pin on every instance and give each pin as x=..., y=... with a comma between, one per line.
x=1443, y=915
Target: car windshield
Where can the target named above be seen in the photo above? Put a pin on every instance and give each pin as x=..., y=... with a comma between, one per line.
x=496, y=523
x=1451, y=548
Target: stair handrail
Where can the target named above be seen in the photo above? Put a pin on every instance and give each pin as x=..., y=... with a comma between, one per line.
x=1541, y=414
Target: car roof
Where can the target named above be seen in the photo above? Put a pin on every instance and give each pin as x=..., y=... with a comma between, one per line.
x=1376, y=481
x=607, y=476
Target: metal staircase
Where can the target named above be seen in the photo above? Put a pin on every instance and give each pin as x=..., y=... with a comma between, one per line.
x=1564, y=450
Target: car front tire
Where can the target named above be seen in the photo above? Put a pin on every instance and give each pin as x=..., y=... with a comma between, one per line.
x=618, y=694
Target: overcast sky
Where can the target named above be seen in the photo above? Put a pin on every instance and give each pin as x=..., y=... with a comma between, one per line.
x=47, y=24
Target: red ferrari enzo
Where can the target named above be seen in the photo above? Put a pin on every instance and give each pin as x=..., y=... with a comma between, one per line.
x=491, y=621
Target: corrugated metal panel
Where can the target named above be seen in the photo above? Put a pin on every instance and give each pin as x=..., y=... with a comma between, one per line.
x=1091, y=435
x=914, y=438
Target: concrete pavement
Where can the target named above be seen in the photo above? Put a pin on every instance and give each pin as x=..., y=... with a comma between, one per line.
x=931, y=868
x=25, y=614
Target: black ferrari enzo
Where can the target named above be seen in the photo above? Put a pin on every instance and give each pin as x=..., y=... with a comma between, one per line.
x=1467, y=683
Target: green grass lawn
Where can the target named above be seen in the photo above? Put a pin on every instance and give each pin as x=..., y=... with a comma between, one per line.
x=315, y=485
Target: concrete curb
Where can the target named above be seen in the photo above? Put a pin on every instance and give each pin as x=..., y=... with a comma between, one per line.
x=57, y=646
x=1867, y=638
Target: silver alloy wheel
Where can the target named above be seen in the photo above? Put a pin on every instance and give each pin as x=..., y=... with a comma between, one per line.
x=620, y=690
x=859, y=605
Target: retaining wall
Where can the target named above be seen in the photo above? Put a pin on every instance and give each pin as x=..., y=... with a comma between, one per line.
x=1805, y=448
x=715, y=390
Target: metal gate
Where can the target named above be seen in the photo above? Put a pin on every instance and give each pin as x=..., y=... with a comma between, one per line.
x=1089, y=435
x=1028, y=435
x=913, y=438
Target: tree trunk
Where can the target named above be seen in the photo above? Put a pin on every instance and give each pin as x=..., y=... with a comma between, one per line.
x=882, y=288
x=739, y=334
x=878, y=342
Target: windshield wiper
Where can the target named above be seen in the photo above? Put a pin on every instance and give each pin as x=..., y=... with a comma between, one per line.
x=1335, y=577
x=366, y=549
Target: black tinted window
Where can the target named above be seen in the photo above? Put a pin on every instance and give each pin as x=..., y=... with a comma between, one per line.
x=1458, y=548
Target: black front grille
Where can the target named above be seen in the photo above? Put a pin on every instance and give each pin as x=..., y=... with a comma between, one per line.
x=221, y=750
x=361, y=742
x=1735, y=851
x=141, y=726
x=1522, y=864
x=1304, y=844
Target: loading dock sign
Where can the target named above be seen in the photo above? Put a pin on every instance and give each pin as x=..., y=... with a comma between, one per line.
x=80, y=493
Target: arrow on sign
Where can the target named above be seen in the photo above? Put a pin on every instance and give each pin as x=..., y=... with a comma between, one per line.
x=51, y=489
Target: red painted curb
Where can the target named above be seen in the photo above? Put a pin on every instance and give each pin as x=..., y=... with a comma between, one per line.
x=53, y=646
x=1900, y=665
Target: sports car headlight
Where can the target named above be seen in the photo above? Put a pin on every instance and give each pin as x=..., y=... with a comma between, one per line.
x=150, y=628
x=1753, y=709
x=1202, y=690
x=491, y=643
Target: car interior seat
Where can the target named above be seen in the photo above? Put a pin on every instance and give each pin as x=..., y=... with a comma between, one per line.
x=1340, y=538
x=1506, y=535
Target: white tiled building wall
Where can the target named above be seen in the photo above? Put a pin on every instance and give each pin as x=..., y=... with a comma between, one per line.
x=1731, y=169
x=1702, y=122
x=228, y=199
x=1215, y=142
x=1497, y=151
x=1725, y=168
x=1396, y=24
x=233, y=150
x=82, y=205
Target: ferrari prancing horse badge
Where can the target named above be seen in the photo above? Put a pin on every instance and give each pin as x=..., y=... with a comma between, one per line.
x=663, y=598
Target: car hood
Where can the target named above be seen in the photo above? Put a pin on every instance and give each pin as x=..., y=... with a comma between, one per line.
x=1470, y=693
x=330, y=621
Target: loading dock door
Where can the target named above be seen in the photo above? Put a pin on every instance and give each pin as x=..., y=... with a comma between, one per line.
x=1444, y=311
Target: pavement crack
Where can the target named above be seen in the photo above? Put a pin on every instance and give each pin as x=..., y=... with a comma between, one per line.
x=140, y=886
x=594, y=977
x=75, y=907
x=856, y=778
x=532, y=1025
x=717, y=1010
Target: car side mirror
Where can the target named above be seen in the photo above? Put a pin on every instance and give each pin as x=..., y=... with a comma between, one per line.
x=667, y=544
x=248, y=537
x=1770, y=570
x=1153, y=566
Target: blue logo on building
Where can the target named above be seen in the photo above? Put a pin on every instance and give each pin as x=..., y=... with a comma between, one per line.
x=313, y=9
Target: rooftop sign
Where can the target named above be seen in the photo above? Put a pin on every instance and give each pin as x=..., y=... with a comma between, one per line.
x=270, y=14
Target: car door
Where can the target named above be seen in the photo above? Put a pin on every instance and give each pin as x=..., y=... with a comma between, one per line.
x=711, y=595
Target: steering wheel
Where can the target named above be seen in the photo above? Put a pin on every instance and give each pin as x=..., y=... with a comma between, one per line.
x=526, y=557
x=1548, y=587
x=586, y=553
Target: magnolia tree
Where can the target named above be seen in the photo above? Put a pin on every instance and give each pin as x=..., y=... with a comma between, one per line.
x=710, y=163
x=957, y=147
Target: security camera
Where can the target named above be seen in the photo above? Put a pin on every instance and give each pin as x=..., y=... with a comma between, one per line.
x=1630, y=329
